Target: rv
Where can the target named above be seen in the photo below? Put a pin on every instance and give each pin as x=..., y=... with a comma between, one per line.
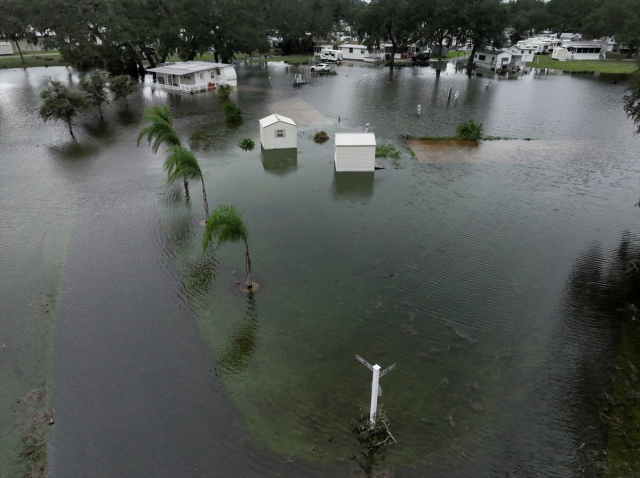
x=331, y=55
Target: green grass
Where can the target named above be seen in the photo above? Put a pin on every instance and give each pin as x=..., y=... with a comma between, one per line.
x=31, y=60
x=292, y=59
x=455, y=54
x=602, y=66
x=387, y=150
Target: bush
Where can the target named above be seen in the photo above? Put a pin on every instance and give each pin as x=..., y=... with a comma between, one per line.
x=320, y=137
x=246, y=144
x=387, y=150
x=224, y=91
x=469, y=130
x=232, y=113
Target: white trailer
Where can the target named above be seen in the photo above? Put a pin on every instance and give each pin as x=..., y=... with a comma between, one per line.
x=331, y=55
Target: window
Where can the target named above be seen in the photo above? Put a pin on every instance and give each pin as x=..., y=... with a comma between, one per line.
x=596, y=50
x=350, y=50
x=280, y=133
x=482, y=57
x=217, y=71
x=361, y=52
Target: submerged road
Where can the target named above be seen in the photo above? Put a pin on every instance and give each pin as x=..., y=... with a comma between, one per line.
x=136, y=392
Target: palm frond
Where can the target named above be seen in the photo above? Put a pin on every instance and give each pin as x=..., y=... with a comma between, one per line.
x=181, y=163
x=225, y=224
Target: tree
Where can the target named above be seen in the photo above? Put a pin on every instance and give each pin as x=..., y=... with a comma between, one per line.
x=159, y=128
x=14, y=26
x=483, y=23
x=568, y=15
x=394, y=21
x=121, y=86
x=226, y=225
x=61, y=103
x=632, y=100
x=96, y=87
x=526, y=16
x=182, y=163
x=616, y=18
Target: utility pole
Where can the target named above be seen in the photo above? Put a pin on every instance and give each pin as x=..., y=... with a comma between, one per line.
x=376, y=390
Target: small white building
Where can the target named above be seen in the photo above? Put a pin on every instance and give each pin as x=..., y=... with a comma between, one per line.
x=278, y=132
x=194, y=75
x=355, y=151
x=5, y=48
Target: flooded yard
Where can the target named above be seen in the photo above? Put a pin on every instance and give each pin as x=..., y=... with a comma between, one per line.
x=452, y=262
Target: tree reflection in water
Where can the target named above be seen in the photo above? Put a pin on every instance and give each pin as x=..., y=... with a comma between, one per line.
x=241, y=345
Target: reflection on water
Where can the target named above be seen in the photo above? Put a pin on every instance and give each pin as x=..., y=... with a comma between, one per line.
x=353, y=186
x=280, y=162
x=240, y=347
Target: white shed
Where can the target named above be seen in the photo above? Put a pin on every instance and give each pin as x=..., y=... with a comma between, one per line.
x=5, y=48
x=355, y=152
x=278, y=132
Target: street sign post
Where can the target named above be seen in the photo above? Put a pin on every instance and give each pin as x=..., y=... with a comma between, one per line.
x=376, y=391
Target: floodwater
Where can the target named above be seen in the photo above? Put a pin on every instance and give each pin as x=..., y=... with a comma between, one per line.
x=455, y=263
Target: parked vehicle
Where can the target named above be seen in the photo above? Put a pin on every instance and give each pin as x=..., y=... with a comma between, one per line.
x=320, y=67
x=421, y=56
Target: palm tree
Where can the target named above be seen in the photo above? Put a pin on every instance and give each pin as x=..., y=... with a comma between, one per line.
x=226, y=225
x=160, y=128
x=182, y=163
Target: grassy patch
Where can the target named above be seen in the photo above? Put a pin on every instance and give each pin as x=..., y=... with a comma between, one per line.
x=291, y=59
x=387, y=151
x=499, y=138
x=602, y=66
x=32, y=60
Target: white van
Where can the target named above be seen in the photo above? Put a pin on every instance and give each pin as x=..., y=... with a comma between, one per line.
x=331, y=55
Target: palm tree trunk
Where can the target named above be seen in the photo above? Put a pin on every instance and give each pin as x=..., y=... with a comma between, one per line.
x=19, y=51
x=204, y=198
x=186, y=187
x=248, y=264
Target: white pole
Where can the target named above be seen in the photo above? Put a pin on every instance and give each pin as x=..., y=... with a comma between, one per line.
x=374, y=393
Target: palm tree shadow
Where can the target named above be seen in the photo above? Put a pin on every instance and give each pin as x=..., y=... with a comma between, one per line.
x=242, y=343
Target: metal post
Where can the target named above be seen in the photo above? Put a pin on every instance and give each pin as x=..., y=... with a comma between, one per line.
x=374, y=393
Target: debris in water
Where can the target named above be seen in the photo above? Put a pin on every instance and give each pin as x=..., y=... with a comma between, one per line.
x=444, y=380
x=477, y=406
x=394, y=275
x=506, y=355
x=408, y=329
x=378, y=305
x=465, y=336
x=475, y=386
x=449, y=418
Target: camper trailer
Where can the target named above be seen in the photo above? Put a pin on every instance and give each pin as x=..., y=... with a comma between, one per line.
x=331, y=55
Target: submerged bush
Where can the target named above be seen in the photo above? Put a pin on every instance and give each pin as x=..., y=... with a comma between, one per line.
x=246, y=144
x=231, y=112
x=469, y=130
x=320, y=137
x=387, y=150
x=224, y=91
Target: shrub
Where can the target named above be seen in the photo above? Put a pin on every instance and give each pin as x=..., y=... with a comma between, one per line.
x=246, y=144
x=469, y=130
x=232, y=113
x=387, y=150
x=224, y=91
x=320, y=137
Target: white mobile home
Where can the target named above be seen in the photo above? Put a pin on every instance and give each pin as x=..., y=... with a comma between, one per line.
x=492, y=59
x=278, y=132
x=355, y=152
x=585, y=50
x=194, y=75
x=525, y=52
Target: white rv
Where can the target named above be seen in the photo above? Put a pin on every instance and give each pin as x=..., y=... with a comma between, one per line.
x=331, y=55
